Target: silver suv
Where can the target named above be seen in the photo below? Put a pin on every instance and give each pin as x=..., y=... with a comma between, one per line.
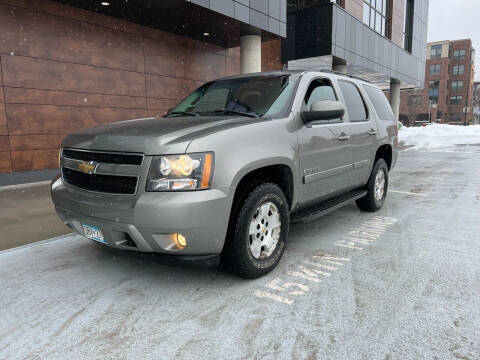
x=224, y=173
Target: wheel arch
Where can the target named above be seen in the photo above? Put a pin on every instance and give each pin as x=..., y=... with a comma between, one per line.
x=384, y=152
x=279, y=173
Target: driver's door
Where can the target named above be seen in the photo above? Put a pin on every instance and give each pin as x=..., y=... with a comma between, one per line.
x=326, y=159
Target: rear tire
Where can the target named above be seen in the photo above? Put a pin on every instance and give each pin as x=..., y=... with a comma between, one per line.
x=257, y=232
x=377, y=187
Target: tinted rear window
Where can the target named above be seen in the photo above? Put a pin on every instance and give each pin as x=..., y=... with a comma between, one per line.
x=354, y=102
x=380, y=103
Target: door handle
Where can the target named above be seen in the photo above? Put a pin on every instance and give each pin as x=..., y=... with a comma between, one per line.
x=343, y=137
x=372, y=132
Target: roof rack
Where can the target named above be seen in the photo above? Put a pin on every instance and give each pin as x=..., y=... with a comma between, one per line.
x=343, y=74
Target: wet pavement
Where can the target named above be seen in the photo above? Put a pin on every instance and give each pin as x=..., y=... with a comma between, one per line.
x=403, y=283
x=27, y=215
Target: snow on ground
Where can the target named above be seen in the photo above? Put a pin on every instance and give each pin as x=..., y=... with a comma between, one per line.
x=438, y=136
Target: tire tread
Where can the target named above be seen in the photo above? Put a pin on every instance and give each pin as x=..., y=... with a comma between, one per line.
x=234, y=257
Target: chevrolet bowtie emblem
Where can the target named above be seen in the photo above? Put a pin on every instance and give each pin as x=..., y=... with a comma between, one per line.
x=87, y=167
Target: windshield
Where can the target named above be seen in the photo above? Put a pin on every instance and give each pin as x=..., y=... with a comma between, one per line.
x=255, y=96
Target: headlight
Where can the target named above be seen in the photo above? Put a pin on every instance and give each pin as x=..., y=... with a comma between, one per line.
x=181, y=172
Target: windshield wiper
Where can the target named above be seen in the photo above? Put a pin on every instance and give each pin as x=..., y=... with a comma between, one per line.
x=236, y=112
x=183, y=113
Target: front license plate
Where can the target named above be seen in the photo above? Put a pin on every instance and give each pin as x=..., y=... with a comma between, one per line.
x=93, y=233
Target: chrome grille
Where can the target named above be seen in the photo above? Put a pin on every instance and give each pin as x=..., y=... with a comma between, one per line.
x=99, y=171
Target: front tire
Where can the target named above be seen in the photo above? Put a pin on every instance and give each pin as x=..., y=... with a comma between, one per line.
x=257, y=233
x=377, y=187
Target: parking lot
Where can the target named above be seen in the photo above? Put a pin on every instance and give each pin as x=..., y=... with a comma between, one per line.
x=403, y=283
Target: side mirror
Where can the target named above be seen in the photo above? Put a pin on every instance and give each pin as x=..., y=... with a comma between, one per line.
x=324, y=110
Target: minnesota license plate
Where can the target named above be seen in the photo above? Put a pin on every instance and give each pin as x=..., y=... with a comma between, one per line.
x=93, y=233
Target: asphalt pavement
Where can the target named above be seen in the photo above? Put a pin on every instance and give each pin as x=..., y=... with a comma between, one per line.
x=403, y=283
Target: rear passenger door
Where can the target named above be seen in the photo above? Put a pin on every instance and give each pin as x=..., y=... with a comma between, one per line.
x=362, y=129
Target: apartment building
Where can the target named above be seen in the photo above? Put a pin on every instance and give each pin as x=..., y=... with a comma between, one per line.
x=448, y=93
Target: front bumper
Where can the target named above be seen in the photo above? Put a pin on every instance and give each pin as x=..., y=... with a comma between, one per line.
x=149, y=221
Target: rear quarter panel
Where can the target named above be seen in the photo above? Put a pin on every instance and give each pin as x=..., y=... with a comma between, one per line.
x=387, y=133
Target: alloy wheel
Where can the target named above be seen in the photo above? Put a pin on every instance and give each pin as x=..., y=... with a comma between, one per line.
x=264, y=231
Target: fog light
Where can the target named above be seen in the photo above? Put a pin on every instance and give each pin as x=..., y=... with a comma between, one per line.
x=181, y=241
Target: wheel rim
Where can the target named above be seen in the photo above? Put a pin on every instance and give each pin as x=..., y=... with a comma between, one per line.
x=264, y=231
x=380, y=185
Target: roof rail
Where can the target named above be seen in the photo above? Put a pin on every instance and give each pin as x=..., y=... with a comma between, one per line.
x=343, y=74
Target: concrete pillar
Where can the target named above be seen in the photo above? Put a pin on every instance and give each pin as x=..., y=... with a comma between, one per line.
x=250, y=54
x=395, y=97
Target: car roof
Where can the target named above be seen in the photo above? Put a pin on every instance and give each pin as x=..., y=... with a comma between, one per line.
x=266, y=73
x=299, y=72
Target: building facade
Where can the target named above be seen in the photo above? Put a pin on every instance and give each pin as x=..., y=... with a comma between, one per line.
x=448, y=93
x=382, y=41
x=68, y=67
x=70, y=64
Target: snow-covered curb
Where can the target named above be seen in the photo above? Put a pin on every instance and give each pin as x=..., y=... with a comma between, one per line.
x=438, y=136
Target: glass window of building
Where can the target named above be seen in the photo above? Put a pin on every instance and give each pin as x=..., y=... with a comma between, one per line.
x=292, y=6
x=436, y=51
x=458, y=69
x=408, y=28
x=433, y=91
x=456, y=100
x=457, y=85
x=454, y=118
x=375, y=15
x=434, y=69
x=459, y=54
x=298, y=5
x=414, y=100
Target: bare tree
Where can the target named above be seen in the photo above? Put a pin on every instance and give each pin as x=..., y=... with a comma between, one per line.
x=412, y=115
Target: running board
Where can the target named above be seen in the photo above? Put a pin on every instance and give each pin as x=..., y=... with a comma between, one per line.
x=315, y=211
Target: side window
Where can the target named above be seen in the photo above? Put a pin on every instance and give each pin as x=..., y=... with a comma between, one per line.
x=319, y=90
x=380, y=103
x=320, y=93
x=356, y=108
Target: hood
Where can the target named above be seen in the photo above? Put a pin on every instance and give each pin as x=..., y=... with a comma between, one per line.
x=152, y=136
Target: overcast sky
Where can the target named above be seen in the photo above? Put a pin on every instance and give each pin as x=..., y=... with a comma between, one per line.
x=456, y=19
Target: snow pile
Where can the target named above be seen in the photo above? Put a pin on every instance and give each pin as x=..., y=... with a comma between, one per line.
x=437, y=136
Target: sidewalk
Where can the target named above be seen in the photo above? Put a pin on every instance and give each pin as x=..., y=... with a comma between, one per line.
x=27, y=215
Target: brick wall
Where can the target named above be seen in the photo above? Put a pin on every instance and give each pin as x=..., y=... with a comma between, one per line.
x=64, y=69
